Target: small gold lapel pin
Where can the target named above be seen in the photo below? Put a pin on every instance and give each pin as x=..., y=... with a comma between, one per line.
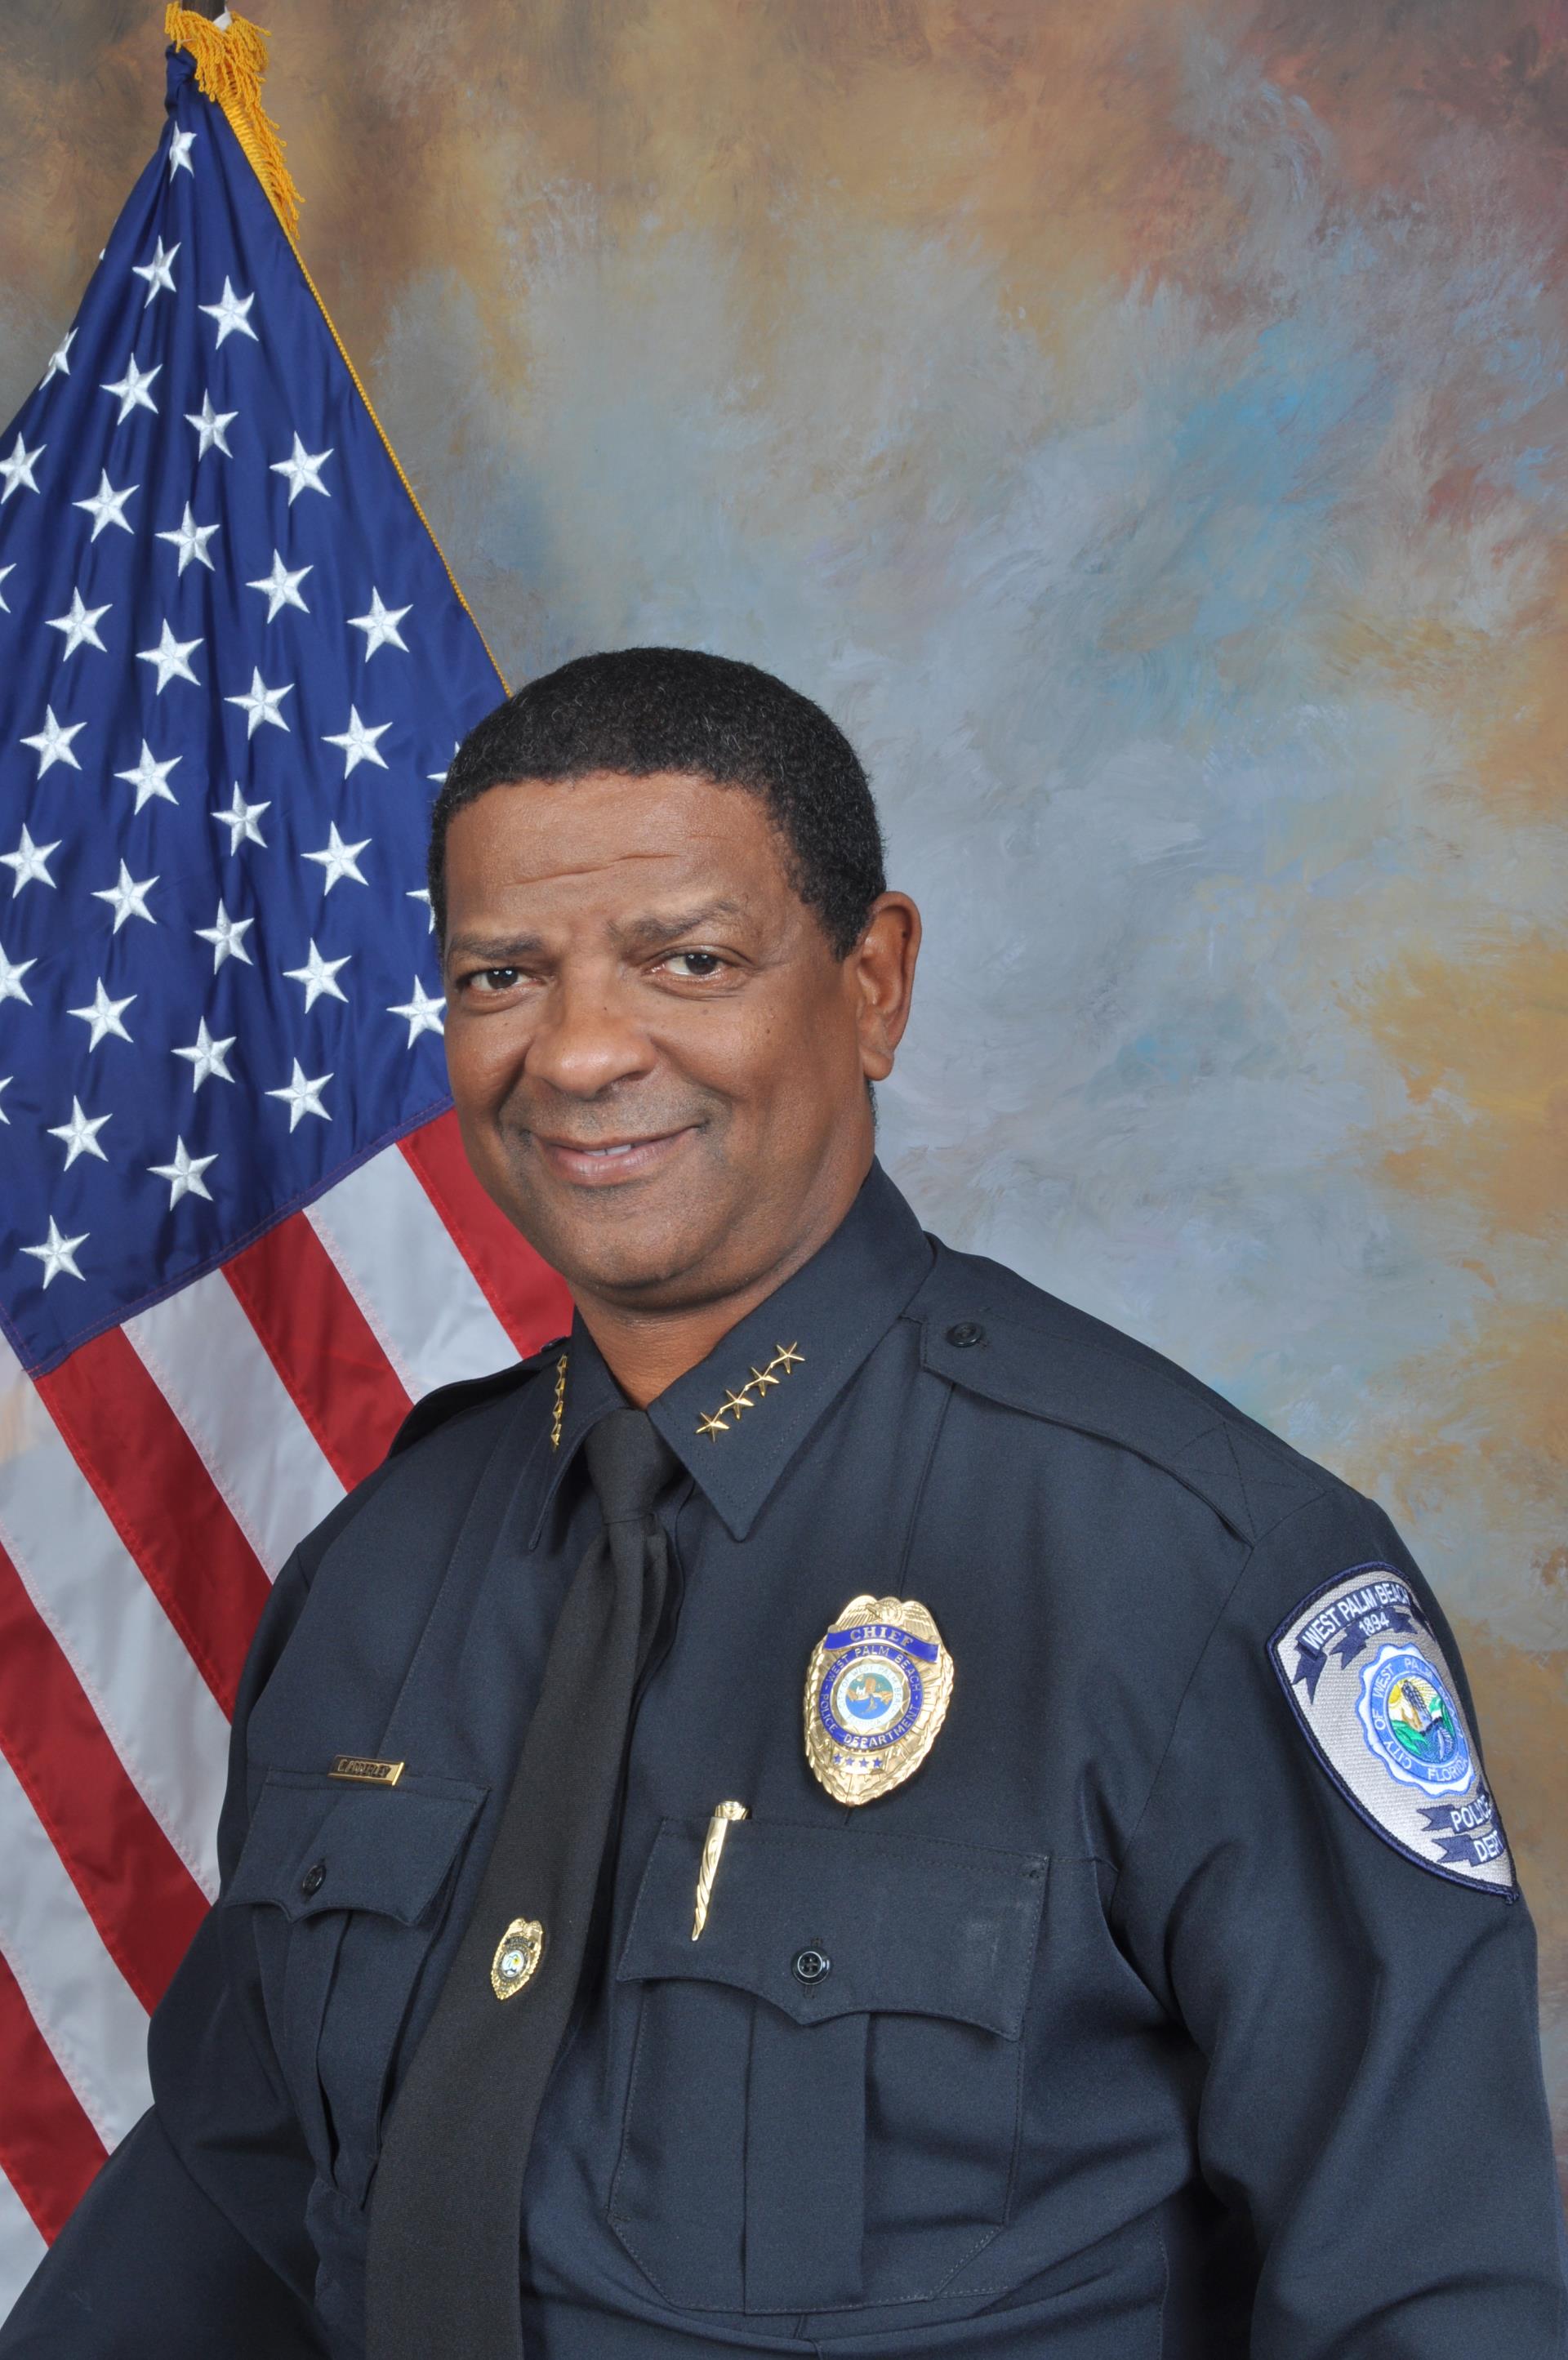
x=718, y=1827
x=518, y=1954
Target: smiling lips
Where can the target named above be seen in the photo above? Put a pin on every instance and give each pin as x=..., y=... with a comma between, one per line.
x=601, y=1164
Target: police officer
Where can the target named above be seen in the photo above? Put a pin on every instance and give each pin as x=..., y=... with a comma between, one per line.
x=845, y=1807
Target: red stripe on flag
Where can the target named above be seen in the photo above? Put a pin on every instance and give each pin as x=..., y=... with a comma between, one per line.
x=322, y=1345
x=161, y=1500
x=528, y=1298
x=138, y=1892
x=48, y=2149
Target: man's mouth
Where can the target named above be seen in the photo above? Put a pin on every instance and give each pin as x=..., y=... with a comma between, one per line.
x=603, y=1161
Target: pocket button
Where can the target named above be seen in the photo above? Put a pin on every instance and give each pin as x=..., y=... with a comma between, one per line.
x=810, y=1966
x=314, y=1878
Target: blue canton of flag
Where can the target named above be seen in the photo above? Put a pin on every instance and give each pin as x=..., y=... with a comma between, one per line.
x=232, y=663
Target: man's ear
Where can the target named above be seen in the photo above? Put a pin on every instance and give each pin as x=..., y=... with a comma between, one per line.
x=882, y=966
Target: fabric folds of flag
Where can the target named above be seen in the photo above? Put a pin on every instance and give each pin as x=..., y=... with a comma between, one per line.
x=238, y=1232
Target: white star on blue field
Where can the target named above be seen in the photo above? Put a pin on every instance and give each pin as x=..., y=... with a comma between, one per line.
x=232, y=664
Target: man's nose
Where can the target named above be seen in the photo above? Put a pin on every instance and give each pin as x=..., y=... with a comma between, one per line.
x=587, y=1038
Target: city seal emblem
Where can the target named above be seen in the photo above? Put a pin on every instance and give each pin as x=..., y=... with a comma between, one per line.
x=876, y=1694
x=1412, y=1723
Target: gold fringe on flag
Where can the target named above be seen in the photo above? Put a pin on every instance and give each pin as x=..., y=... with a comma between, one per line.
x=230, y=64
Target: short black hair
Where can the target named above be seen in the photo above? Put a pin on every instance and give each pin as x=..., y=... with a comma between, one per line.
x=640, y=710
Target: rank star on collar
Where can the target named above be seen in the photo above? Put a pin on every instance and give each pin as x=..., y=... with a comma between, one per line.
x=801, y=1346
x=786, y=1357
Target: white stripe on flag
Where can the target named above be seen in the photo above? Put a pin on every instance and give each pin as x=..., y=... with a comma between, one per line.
x=213, y=1369
x=84, y=2006
x=397, y=1258
x=21, y=2247
x=157, y=1711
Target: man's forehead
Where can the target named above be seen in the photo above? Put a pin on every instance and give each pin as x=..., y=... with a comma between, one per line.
x=608, y=835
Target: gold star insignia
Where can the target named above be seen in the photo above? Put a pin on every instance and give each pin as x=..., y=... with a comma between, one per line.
x=786, y=1357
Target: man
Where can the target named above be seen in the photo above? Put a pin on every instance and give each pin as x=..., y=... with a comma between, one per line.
x=846, y=1808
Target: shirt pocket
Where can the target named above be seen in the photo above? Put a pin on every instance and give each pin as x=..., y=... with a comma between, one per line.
x=801, y=2138
x=347, y=1889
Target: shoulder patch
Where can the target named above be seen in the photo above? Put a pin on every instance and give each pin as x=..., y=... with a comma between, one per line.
x=1369, y=1683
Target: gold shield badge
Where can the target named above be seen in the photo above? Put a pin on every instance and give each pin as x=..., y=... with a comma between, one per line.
x=518, y=1953
x=876, y=1694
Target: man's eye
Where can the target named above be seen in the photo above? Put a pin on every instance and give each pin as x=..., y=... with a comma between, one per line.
x=697, y=967
x=492, y=978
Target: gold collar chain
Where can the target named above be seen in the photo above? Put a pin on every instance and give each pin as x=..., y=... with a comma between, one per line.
x=787, y=1359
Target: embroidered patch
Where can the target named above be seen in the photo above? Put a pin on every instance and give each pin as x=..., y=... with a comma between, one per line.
x=1370, y=1685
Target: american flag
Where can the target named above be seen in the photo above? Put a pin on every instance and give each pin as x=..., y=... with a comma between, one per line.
x=237, y=1233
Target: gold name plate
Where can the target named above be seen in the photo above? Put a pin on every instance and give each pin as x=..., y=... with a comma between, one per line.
x=363, y=1772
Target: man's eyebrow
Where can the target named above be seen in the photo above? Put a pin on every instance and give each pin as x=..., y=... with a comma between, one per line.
x=636, y=935
x=641, y=934
x=496, y=950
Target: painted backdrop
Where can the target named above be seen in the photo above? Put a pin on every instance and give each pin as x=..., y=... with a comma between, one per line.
x=1145, y=427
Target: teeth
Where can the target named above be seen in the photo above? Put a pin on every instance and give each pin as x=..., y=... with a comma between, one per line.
x=609, y=1150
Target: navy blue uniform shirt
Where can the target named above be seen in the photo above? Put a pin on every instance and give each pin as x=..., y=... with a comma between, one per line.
x=1148, y=2025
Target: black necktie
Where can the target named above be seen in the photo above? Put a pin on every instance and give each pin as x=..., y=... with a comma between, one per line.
x=446, y=2208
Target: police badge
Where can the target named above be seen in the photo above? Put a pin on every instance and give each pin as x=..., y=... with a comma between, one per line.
x=518, y=1953
x=876, y=1694
x=1366, y=1675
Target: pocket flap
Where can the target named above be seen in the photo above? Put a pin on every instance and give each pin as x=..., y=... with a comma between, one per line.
x=386, y=1849
x=908, y=1927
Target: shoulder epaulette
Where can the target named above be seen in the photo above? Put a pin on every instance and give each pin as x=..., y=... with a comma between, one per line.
x=450, y=1401
x=1034, y=1353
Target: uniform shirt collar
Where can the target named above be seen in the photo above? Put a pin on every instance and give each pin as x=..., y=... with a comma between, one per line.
x=738, y=1417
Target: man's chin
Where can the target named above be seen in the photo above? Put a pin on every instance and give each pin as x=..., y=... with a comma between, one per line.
x=622, y=1244
x=642, y=1277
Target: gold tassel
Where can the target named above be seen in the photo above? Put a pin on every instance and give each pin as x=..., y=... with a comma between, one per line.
x=229, y=69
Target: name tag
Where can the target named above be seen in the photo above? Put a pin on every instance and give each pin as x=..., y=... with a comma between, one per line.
x=363, y=1772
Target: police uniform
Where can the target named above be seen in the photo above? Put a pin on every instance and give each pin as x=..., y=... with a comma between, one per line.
x=1119, y=1954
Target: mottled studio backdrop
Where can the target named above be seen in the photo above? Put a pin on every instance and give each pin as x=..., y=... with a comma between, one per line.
x=1143, y=425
